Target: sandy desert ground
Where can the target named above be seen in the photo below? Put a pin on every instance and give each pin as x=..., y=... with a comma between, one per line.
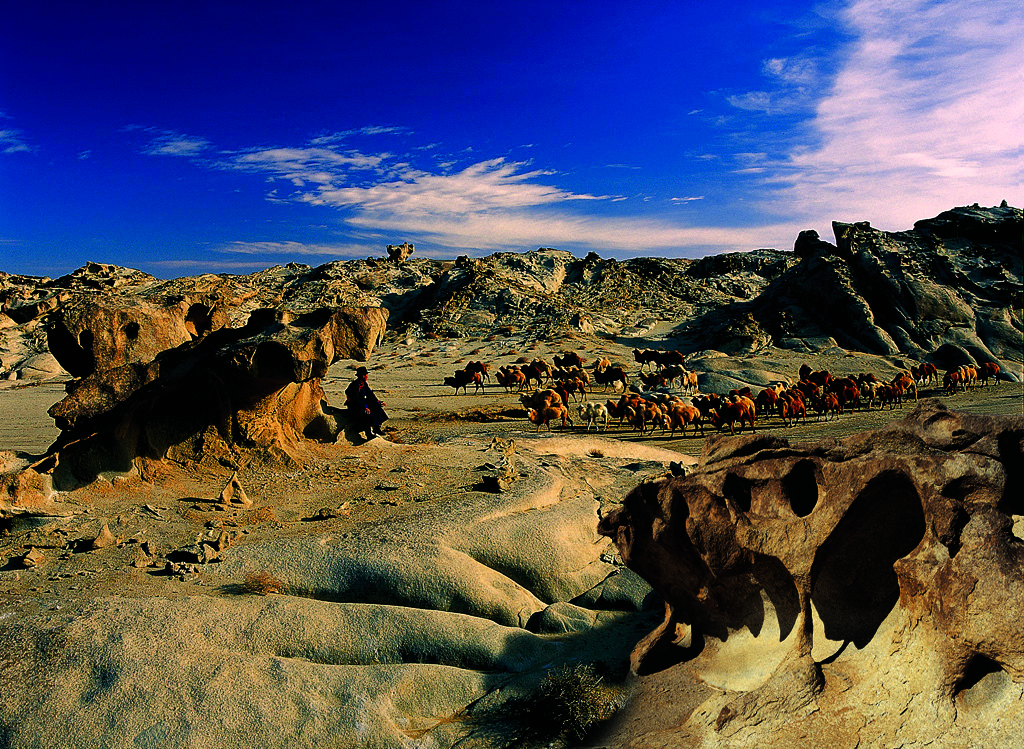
x=415, y=501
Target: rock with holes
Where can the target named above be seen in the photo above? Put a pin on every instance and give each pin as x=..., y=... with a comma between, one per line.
x=869, y=589
x=104, y=332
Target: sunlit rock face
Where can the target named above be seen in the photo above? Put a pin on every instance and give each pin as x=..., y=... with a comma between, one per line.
x=229, y=395
x=861, y=589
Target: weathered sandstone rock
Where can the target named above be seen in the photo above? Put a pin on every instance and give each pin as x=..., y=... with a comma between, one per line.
x=104, y=539
x=234, y=493
x=807, y=580
x=228, y=396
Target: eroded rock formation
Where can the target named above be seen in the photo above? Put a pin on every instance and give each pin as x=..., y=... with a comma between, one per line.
x=230, y=395
x=807, y=581
x=399, y=253
x=955, y=279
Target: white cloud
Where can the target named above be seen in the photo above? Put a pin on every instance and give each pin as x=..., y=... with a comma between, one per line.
x=792, y=70
x=343, y=135
x=176, y=144
x=486, y=186
x=294, y=248
x=526, y=229
x=925, y=113
x=755, y=101
x=488, y=205
x=687, y=199
x=84, y=154
x=319, y=166
x=13, y=141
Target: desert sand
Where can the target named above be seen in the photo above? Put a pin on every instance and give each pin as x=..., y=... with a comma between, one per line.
x=407, y=604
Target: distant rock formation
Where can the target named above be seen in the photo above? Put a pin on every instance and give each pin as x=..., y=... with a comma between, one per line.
x=956, y=279
x=805, y=579
x=400, y=253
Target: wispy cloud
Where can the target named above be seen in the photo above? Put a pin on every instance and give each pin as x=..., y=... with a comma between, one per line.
x=13, y=140
x=169, y=143
x=291, y=248
x=319, y=166
x=344, y=135
x=792, y=83
x=925, y=113
x=687, y=199
x=524, y=229
x=495, y=184
x=487, y=205
x=623, y=166
x=82, y=155
x=792, y=70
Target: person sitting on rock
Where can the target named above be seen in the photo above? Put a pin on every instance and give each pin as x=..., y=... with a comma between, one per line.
x=366, y=410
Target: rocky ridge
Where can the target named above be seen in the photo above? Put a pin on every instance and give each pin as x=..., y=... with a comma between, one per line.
x=955, y=279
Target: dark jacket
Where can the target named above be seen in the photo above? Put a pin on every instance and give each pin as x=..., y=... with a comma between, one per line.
x=359, y=397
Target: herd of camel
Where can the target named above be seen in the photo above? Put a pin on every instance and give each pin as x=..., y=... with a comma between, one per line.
x=652, y=404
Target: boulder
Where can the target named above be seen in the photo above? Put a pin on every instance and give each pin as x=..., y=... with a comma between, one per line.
x=232, y=395
x=810, y=578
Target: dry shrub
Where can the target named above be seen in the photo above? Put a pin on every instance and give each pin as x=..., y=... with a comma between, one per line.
x=476, y=352
x=595, y=452
x=430, y=336
x=261, y=583
x=567, y=705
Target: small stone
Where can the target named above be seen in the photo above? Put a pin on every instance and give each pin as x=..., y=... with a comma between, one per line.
x=223, y=541
x=104, y=539
x=33, y=558
x=234, y=494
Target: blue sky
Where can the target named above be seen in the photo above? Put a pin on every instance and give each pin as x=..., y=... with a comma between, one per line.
x=225, y=137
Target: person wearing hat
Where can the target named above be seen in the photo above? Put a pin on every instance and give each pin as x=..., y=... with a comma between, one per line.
x=366, y=410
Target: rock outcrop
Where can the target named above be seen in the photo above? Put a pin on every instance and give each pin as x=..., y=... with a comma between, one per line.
x=955, y=279
x=399, y=253
x=867, y=589
x=230, y=396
